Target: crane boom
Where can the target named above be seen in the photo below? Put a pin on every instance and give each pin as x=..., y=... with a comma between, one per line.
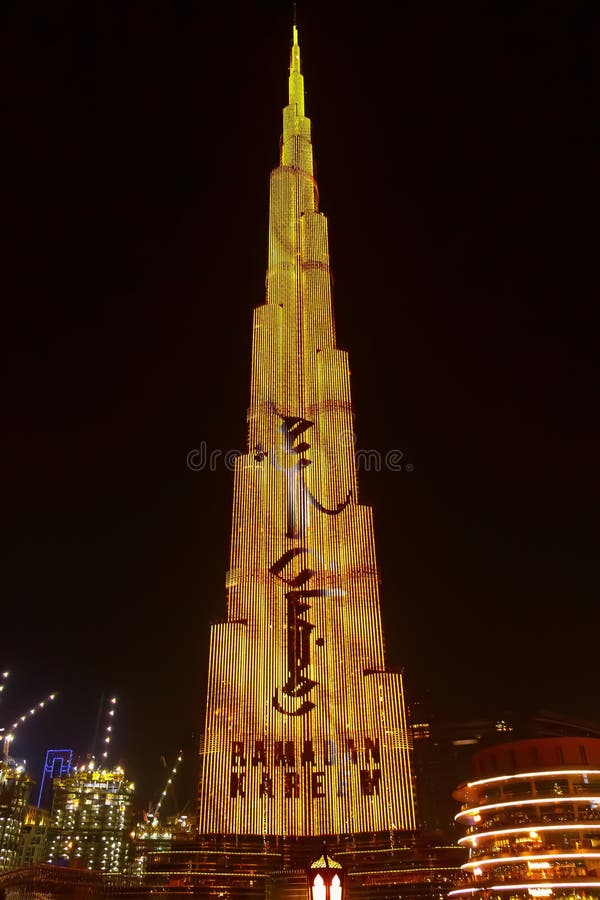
x=10, y=734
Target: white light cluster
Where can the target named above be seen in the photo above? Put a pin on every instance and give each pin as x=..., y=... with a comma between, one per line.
x=529, y=887
x=31, y=712
x=109, y=725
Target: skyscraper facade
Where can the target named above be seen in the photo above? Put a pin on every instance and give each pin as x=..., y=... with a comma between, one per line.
x=305, y=730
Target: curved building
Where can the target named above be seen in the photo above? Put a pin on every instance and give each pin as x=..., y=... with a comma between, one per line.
x=532, y=820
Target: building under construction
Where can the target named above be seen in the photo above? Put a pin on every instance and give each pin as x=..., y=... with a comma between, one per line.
x=91, y=820
x=15, y=789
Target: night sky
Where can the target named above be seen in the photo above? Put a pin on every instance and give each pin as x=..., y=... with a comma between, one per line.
x=456, y=156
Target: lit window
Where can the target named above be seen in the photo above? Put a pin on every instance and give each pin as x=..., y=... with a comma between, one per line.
x=335, y=891
x=318, y=888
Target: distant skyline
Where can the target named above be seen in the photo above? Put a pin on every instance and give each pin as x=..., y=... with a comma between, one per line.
x=455, y=162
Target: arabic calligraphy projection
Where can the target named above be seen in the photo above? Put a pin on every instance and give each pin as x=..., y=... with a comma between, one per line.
x=305, y=730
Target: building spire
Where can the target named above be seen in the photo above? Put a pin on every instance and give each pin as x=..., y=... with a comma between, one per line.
x=296, y=82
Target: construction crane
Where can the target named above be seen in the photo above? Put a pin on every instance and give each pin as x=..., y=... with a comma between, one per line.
x=170, y=779
x=108, y=708
x=108, y=726
x=4, y=680
x=9, y=733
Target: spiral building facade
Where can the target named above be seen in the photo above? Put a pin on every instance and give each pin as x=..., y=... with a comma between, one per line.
x=535, y=830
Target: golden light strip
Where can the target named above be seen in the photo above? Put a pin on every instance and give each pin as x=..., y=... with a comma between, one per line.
x=571, y=798
x=544, y=884
x=500, y=860
x=526, y=886
x=410, y=871
x=521, y=775
x=581, y=826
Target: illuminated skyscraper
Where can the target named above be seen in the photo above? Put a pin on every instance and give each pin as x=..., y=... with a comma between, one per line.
x=305, y=729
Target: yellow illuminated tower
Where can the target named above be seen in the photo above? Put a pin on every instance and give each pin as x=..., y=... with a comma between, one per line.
x=305, y=730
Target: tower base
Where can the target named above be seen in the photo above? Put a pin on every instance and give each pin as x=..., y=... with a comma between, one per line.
x=409, y=864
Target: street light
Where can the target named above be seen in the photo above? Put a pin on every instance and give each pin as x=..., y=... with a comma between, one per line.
x=325, y=878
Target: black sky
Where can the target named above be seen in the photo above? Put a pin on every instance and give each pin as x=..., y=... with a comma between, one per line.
x=457, y=164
